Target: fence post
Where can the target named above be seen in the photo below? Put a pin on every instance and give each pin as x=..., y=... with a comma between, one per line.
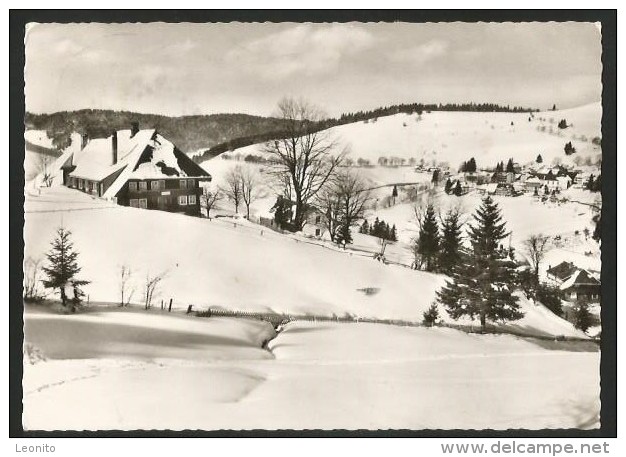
x=169, y=310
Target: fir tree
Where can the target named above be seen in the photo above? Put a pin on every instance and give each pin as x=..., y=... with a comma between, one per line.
x=365, y=228
x=448, y=187
x=375, y=228
x=344, y=236
x=394, y=192
x=431, y=315
x=482, y=287
x=597, y=232
x=590, y=183
x=393, y=236
x=428, y=239
x=282, y=212
x=63, y=267
x=435, y=178
x=451, y=239
x=539, y=159
x=509, y=166
x=499, y=166
x=597, y=186
x=582, y=317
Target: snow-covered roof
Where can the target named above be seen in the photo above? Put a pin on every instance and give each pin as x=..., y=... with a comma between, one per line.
x=163, y=157
x=579, y=278
x=491, y=187
x=95, y=161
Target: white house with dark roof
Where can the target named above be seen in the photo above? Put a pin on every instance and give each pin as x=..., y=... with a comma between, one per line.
x=138, y=168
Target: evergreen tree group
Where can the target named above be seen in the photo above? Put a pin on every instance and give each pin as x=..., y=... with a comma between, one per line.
x=510, y=167
x=482, y=286
x=469, y=166
x=569, y=149
x=539, y=159
x=594, y=185
x=379, y=229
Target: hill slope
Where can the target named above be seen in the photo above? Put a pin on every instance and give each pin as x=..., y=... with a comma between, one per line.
x=454, y=137
x=187, y=132
x=241, y=266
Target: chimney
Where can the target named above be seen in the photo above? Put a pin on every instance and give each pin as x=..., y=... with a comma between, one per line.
x=114, y=148
x=84, y=139
x=134, y=128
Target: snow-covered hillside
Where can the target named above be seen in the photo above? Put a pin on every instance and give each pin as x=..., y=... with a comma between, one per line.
x=238, y=266
x=454, y=137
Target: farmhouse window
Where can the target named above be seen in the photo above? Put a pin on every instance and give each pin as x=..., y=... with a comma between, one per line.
x=132, y=186
x=192, y=200
x=183, y=184
x=190, y=183
x=73, y=182
x=134, y=203
x=162, y=184
x=182, y=200
x=154, y=185
x=318, y=219
x=143, y=203
x=317, y=232
x=143, y=186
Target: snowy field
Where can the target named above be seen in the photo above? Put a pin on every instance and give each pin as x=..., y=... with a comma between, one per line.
x=225, y=263
x=212, y=374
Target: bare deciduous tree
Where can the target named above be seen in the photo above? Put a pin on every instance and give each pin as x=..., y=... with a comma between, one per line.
x=251, y=188
x=535, y=247
x=43, y=167
x=233, y=189
x=32, y=271
x=343, y=200
x=152, y=282
x=126, y=291
x=304, y=160
x=209, y=198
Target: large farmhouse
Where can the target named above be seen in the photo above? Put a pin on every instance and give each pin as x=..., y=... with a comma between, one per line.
x=138, y=168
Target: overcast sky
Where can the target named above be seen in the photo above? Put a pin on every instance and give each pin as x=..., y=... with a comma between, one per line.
x=177, y=69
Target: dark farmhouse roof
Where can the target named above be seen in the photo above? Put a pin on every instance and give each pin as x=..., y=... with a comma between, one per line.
x=562, y=271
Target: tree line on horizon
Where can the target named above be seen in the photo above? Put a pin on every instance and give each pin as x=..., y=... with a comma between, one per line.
x=219, y=132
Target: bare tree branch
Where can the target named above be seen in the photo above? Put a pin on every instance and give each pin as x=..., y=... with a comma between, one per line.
x=209, y=198
x=304, y=160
